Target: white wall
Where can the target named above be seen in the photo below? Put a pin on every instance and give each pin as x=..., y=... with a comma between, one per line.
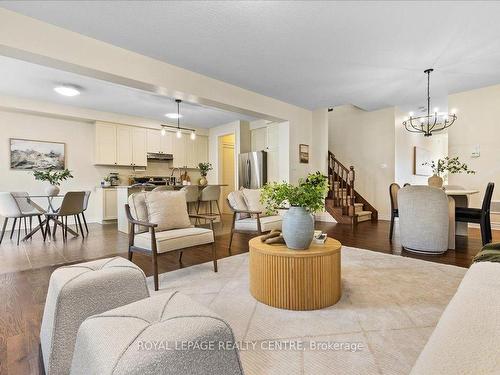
x=437, y=145
x=477, y=124
x=319, y=142
x=366, y=140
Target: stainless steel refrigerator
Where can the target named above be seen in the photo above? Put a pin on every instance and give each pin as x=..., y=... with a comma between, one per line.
x=252, y=169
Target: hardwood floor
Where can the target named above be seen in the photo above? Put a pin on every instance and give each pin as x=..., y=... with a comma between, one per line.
x=25, y=273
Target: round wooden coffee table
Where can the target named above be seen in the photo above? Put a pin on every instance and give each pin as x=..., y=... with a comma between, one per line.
x=295, y=279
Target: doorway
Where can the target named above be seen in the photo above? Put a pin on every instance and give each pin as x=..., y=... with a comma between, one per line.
x=227, y=167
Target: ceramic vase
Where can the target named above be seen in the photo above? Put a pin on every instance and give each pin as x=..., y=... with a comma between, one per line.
x=52, y=190
x=203, y=181
x=435, y=181
x=298, y=228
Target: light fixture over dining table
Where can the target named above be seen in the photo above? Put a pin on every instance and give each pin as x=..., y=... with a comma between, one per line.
x=431, y=122
x=178, y=127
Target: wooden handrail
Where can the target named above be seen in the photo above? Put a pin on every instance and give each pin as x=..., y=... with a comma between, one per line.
x=341, y=181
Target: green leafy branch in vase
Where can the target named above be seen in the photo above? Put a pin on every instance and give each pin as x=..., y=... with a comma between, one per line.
x=310, y=193
x=448, y=165
x=204, y=168
x=53, y=177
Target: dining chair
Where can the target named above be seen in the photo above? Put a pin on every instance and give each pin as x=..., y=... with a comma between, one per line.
x=393, y=194
x=10, y=209
x=479, y=216
x=23, y=201
x=85, y=206
x=208, y=195
x=424, y=220
x=72, y=205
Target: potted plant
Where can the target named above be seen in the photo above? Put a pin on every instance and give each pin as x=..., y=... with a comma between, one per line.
x=303, y=200
x=444, y=166
x=53, y=177
x=204, y=168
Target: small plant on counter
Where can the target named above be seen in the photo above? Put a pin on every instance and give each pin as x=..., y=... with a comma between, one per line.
x=448, y=165
x=204, y=168
x=53, y=177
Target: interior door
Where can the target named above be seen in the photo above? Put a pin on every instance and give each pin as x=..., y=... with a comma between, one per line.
x=228, y=167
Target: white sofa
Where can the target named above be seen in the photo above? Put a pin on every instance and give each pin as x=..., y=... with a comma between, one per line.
x=467, y=337
x=157, y=335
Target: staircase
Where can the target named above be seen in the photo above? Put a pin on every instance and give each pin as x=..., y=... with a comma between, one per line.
x=343, y=202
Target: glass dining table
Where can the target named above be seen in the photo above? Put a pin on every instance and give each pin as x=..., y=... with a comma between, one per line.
x=49, y=209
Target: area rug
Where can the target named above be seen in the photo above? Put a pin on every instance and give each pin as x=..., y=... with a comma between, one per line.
x=389, y=307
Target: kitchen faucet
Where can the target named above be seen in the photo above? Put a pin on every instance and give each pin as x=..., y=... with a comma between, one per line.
x=173, y=170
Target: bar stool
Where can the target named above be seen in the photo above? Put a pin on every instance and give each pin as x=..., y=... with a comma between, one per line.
x=163, y=188
x=210, y=194
x=192, y=195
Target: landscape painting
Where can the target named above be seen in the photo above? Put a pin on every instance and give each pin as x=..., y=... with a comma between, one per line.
x=33, y=155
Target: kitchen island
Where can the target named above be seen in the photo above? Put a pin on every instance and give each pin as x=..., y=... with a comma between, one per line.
x=123, y=193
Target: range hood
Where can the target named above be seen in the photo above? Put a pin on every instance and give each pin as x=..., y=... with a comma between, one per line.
x=159, y=156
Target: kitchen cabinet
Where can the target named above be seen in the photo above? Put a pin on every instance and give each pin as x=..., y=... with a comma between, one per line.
x=189, y=153
x=153, y=140
x=139, y=147
x=117, y=144
x=259, y=139
x=267, y=139
x=157, y=143
x=107, y=204
x=105, y=143
x=201, y=150
x=123, y=145
x=179, y=151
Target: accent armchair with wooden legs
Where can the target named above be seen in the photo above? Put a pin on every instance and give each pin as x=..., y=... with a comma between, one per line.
x=246, y=220
x=153, y=239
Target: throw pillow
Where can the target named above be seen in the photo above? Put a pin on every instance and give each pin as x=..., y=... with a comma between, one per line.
x=168, y=209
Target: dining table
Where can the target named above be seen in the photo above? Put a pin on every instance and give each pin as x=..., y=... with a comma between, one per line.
x=50, y=209
x=457, y=198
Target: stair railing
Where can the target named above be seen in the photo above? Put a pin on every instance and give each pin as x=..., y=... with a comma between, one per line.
x=341, y=181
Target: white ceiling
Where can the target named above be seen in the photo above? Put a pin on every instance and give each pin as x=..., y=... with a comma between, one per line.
x=313, y=54
x=33, y=81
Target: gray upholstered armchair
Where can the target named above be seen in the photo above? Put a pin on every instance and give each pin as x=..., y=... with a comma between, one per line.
x=249, y=215
x=423, y=219
x=160, y=224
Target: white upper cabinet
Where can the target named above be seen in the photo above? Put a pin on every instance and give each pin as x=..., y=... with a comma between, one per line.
x=158, y=143
x=259, y=139
x=154, y=141
x=179, y=151
x=139, y=147
x=123, y=145
x=166, y=143
x=267, y=139
x=201, y=150
x=117, y=144
x=105, y=143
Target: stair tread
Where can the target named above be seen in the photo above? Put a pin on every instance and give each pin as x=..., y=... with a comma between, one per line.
x=358, y=204
x=364, y=213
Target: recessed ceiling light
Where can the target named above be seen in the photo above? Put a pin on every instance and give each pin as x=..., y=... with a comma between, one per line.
x=67, y=90
x=173, y=115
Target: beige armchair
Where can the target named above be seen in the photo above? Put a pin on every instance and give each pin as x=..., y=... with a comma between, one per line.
x=249, y=215
x=160, y=224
